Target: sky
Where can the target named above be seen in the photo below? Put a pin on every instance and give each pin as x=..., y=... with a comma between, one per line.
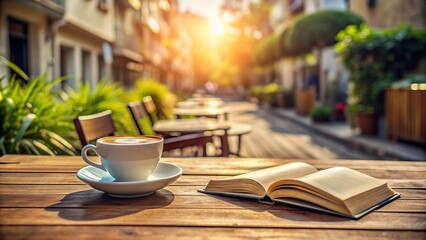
x=205, y=8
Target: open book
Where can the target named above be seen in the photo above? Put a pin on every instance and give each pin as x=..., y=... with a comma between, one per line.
x=339, y=190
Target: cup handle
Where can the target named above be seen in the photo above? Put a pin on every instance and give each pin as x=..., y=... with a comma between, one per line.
x=86, y=158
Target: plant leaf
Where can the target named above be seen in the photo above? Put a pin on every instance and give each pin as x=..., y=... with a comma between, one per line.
x=43, y=147
x=30, y=145
x=26, y=122
x=2, y=147
x=15, y=68
x=61, y=143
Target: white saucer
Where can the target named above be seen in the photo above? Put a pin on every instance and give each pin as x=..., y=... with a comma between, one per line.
x=163, y=175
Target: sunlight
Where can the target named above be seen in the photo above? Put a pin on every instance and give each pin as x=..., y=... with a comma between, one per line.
x=217, y=26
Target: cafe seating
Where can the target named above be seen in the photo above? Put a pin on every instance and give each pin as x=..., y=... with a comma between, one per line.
x=195, y=139
x=150, y=109
x=238, y=130
x=94, y=126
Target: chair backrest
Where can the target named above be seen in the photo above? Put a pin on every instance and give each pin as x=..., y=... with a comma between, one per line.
x=137, y=111
x=150, y=108
x=91, y=127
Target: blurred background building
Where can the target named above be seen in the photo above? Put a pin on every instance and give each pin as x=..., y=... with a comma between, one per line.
x=293, y=73
x=90, y=40
x=126, y=40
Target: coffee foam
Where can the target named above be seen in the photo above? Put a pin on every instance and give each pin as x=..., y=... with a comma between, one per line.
x=129, y=140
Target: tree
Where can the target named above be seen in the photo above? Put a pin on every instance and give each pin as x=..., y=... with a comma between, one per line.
x=318, y=30
x=247, y=24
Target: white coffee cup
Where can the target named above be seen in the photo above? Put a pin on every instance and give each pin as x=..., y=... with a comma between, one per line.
x=126, y=158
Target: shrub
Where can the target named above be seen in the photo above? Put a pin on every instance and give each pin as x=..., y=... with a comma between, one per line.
x=35, y=119
x=268, y=50
x=270, y=93
x=315, y=30
x=163, y=98
x=105, y=95
x=323, y=113
x=256, y=91
x=32, y=120
x=377, y=58
x=318, y=29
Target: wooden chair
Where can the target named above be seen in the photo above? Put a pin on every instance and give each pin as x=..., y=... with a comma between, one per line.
x=150, y=108
x=196, y=139
x=239, y=129
x=92, y=127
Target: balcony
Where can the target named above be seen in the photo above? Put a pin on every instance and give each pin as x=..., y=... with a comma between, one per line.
x=53, y=8
x=127, y=45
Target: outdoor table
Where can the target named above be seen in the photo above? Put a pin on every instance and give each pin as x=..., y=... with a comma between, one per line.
x=196, y=103
x=41, y=198
x=204, y=99
x=186, y=126
x=201, y=112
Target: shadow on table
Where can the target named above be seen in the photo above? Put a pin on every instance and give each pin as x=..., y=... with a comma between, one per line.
x=281, y=210
x=95, y=205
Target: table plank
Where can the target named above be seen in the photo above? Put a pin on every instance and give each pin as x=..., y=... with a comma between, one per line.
x=140, y=216
x=250, y=164
x=120, y=232
x=41, y=197
x=189, y=180
x=212, y=170
x=407, y=193
x=167, y=199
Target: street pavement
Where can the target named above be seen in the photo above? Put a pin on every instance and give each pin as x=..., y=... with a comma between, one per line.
x=277, y=137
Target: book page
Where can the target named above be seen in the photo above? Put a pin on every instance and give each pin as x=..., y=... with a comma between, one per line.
x=267, y=176
x=257, y=182
x=339, y=189
x=341, y=182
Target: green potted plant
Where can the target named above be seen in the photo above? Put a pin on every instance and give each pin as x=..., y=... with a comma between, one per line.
x=321, y=113
x=272, y=95
x=367, y=120
x=376, y=58
x=256, y=93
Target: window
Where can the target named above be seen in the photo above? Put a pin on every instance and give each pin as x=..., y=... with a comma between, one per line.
x=87, y=67
x=18, y=44
x=67, y=66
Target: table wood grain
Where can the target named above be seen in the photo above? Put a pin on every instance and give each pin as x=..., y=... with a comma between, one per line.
x=202, y=112
x=190, y=125
x=41, y=198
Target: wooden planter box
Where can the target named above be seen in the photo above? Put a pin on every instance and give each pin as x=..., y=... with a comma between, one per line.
x=305, y=100
x=367, y=123
x=405, y=115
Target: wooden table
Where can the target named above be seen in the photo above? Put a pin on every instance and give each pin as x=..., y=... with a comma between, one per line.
x=202, y=112
x=41, y=198
x=186, y=126
x=198, y=103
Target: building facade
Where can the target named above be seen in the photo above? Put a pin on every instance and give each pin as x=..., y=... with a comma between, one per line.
x=293, y=73
x=391, y=13
x=90, y=40
x=27, y=30
x=83, y=38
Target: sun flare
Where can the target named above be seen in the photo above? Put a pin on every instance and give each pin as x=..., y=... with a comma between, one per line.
x=217, y=27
